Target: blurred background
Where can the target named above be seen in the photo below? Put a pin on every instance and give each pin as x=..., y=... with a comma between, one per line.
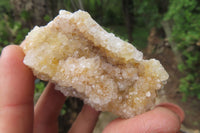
x=168, y=30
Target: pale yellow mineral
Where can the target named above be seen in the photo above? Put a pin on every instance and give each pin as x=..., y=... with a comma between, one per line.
x=85, y=61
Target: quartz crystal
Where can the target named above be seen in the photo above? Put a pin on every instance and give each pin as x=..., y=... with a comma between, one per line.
x=85, y=61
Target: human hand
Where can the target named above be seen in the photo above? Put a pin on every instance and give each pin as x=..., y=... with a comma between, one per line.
x=18, y=114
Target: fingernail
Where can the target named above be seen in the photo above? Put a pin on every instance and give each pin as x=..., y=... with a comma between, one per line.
x=175, y=108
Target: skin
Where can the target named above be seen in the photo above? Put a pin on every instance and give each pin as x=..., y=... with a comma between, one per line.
x=18, y=114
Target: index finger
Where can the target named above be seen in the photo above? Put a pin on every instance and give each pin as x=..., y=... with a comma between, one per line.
x=16, y=92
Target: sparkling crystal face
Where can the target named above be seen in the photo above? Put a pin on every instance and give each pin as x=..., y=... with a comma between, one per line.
x=85, y=61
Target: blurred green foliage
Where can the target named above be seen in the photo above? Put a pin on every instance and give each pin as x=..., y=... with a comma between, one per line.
x=147, y=13
x=39, y=86
x=185, y=15
x=47, y=18
x=11, y=31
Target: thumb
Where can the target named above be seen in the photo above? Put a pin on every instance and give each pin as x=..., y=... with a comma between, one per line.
x=165, y=118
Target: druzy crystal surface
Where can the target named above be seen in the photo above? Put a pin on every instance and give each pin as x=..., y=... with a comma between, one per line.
x=85, y=61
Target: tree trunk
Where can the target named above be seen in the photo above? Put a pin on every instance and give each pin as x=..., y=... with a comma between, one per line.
x=167, y=26
x=77, y=4
x=128, y=6
x=101, y=11
x=39, y=9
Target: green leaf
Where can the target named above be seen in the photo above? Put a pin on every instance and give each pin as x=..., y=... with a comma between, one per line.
x=25, y=15
x=47, y=18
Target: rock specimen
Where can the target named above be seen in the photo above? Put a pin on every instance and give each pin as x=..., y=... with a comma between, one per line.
x=85, y=61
